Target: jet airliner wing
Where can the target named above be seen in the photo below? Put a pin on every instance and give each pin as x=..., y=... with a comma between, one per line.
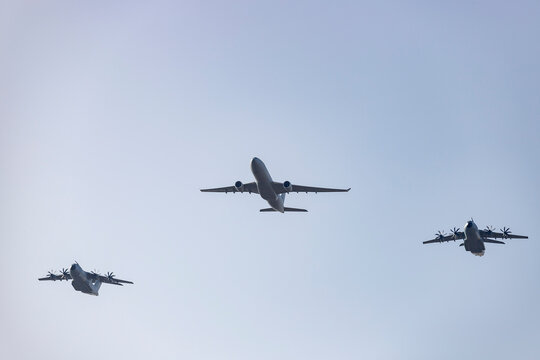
x=281, y=188
x=249, y=187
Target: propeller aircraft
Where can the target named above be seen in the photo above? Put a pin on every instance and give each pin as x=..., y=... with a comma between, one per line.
x=474, y=239
x=86, y=282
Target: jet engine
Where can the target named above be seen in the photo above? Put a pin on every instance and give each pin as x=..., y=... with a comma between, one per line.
x=287, y=186
x=239, y=186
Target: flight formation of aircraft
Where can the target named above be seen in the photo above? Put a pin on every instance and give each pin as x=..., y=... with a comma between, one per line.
x=274, y=193
x=83, y=281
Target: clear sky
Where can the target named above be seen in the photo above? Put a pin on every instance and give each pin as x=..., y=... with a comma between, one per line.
x=113, y=114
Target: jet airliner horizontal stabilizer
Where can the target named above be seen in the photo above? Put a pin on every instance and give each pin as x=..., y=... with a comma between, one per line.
x=287, y=209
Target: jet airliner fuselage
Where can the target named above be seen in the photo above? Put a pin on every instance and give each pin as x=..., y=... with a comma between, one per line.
x=265, y=185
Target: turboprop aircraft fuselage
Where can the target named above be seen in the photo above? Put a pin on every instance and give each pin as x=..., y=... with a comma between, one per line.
x=473, y=241
x=265, y=185
x=82, y=282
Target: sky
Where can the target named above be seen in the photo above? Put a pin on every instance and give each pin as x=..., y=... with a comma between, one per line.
x=114, y=114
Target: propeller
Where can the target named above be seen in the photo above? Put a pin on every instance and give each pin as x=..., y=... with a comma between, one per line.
x=454, y=232
x=489, y=229
x=439, y=235
x=64, y=273
x=52, y=275
x=505, y=232
x=110, y=276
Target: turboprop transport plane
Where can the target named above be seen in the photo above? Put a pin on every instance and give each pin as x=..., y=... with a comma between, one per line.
x=271, y=191
x=85, y=282
x=474, y=238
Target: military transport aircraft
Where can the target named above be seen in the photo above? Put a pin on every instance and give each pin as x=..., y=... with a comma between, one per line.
x=474, y=239
x=271, y=191
x=86, y=282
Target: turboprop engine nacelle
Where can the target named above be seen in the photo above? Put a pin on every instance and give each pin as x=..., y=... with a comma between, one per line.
x=287, y=186
x=239, y=186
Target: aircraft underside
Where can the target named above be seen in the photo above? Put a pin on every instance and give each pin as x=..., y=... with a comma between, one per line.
x=87, y=288
x=476, y=247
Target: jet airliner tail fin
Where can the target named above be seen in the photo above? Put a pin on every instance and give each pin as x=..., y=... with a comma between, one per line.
x=287, y=209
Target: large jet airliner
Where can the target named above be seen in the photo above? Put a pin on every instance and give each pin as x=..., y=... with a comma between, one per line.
x=271, y=191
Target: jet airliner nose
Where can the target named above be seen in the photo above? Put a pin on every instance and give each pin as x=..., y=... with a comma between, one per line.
x=255, y=162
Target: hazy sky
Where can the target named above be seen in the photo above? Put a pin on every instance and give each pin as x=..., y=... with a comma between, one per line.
x=113, y=114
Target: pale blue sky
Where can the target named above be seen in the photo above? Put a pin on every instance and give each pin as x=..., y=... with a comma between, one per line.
x=114, y=114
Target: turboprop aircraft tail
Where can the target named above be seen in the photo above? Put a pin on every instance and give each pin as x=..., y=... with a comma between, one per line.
x=287, y=209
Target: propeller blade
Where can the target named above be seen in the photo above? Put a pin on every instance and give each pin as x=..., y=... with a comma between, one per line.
x=505, y=231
